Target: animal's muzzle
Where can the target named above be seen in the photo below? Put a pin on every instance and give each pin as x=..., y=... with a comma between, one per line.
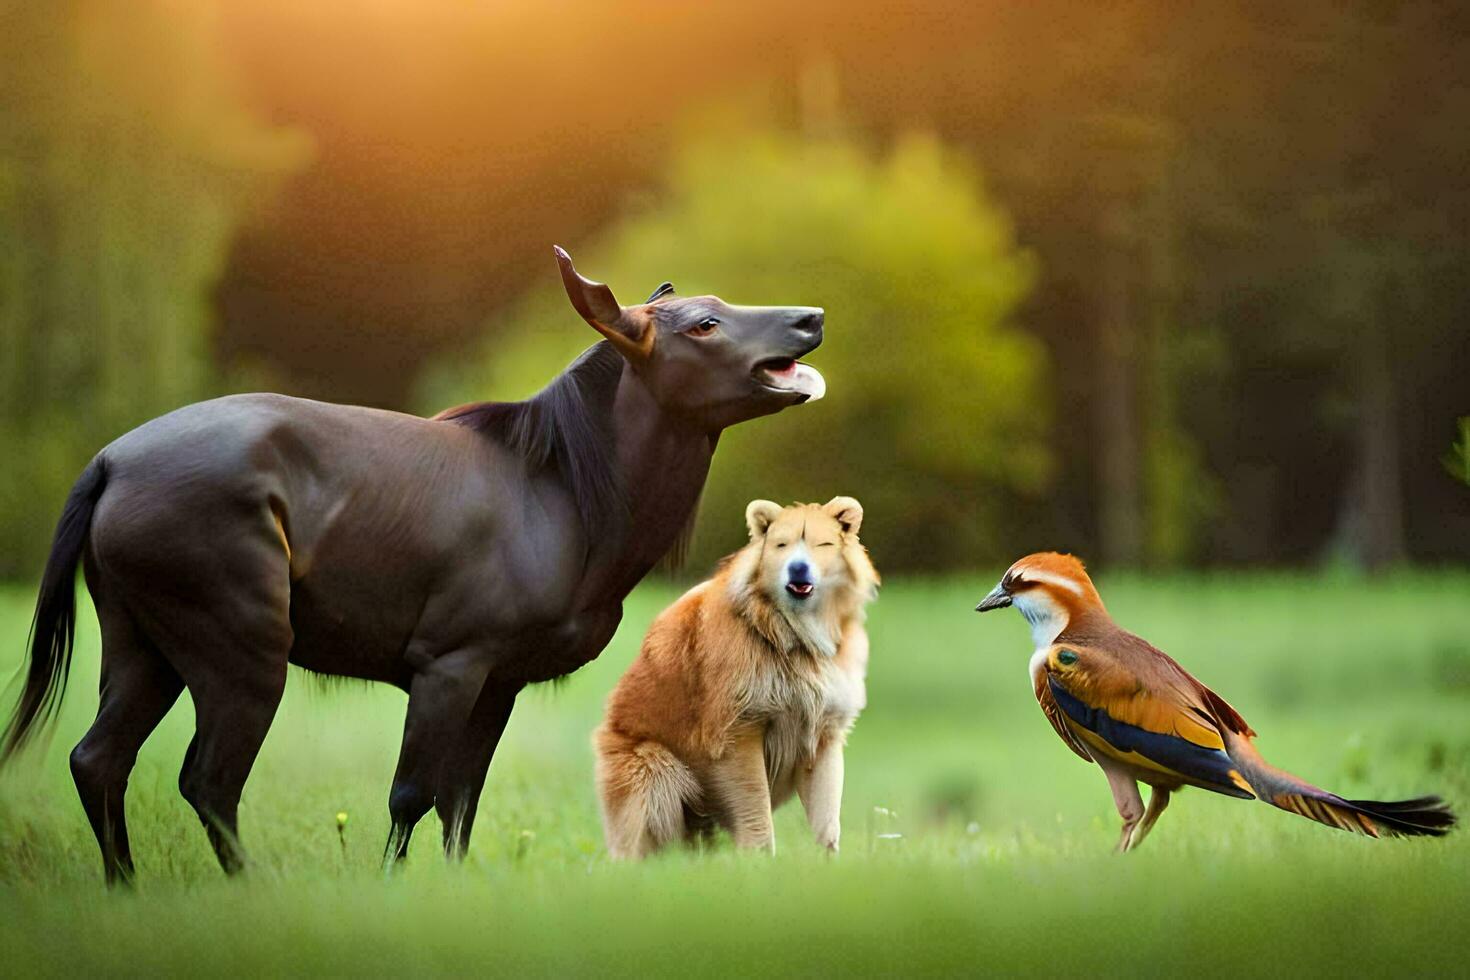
x=806, y=329
x=799, y=580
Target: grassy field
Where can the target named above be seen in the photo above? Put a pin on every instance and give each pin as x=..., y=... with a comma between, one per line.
x=973, y=840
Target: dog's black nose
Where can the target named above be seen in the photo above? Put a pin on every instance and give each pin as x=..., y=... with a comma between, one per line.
x=808, y=321
x=798, y=571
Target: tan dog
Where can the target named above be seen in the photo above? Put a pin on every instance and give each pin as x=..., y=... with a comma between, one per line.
x=745, y=689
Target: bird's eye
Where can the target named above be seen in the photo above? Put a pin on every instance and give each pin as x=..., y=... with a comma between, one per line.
x=703, y=328
x=1066, y=657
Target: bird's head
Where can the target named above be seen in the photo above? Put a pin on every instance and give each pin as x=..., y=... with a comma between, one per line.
x=1051, y=590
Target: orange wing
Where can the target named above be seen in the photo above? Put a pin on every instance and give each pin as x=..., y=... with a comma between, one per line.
x=1054, y=715
x=1138, y=706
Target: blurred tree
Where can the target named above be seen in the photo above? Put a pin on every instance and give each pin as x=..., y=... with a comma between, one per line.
x=935, y=418
x=1457, y=460
x=1291, y=282
x=126, y=163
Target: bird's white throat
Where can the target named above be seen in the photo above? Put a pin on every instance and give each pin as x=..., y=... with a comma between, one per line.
x=1046, y=618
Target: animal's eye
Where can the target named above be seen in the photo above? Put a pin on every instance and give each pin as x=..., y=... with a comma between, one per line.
x=827, y=544
x=780, y=544
x=1066, y=657
x=703, y=328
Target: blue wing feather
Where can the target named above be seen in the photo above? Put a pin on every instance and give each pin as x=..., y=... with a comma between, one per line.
x=1207, y=767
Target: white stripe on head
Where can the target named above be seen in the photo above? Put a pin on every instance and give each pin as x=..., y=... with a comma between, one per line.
x=1060, y=581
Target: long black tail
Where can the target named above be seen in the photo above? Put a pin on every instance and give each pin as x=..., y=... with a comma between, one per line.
x=1426, y=816
x=54, y=627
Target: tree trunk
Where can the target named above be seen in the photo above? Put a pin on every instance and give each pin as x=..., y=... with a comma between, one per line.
x=1378, y=447
x=1370, y=529
x=1119, y=457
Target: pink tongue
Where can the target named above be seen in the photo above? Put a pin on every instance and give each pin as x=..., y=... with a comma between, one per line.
x=809, y=381
x=801, y=378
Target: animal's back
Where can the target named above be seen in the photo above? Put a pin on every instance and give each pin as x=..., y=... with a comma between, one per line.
x=288, y=467
x=345, y=516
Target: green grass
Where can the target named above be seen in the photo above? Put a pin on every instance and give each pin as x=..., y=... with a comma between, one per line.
x=1002, y=865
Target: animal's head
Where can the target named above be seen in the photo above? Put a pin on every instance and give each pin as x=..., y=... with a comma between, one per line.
x=806, y=564
x=1049, y=589
x=701, y=357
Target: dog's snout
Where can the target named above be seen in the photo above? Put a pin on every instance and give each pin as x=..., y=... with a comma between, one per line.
x=799, y=571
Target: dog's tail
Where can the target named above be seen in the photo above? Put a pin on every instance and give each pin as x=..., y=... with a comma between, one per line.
x=642, y=788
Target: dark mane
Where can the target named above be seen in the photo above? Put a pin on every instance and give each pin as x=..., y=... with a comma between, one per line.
x=567, y=425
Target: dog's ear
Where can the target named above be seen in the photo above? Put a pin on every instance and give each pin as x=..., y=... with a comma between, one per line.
x=847, y=512
x=631, y=331
x=759, y=515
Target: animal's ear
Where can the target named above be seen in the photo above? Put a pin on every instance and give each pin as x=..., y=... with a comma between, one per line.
x=759, y=515
x=629, y=331
x=847, y=512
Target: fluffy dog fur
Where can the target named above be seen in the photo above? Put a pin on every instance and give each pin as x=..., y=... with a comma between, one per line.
x=744, y=690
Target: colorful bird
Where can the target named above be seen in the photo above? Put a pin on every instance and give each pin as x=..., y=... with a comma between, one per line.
x=1120, y=702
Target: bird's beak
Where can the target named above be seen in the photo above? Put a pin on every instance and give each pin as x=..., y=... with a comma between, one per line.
x=999, y=598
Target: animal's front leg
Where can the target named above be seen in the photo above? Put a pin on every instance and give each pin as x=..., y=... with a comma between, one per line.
x=440, y=701
x=820, y=788
x=740, y=783
x=463, y=775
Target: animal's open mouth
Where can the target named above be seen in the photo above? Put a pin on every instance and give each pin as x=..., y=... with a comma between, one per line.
x=800, y=589
x=789, y=374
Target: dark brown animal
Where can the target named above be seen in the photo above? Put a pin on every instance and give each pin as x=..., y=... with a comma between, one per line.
x=458, y=558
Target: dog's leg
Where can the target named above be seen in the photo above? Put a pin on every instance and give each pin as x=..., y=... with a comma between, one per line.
x=820, y=788
x=740, y=784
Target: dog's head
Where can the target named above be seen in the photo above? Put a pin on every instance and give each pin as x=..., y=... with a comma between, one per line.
x=709, y=361
x=806, y=563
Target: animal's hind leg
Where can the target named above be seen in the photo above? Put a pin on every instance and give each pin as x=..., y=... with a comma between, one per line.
x=232, y=655
x=1126, y=798
x=210, y=586
x=138, y=687
x=231, y=723
x=1158, y=799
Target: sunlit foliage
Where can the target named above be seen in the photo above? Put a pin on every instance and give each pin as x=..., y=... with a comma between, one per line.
x=935, y=416
x=126, y=163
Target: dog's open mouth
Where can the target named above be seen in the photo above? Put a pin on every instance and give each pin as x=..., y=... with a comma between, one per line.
x=800, y=589
x=789, y=374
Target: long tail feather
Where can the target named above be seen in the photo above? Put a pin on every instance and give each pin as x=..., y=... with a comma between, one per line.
x=1427, y=816
x=1424, y=816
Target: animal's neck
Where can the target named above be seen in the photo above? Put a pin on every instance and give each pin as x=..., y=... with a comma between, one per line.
x=1046, y=624
x=1049, y=618
x=661, y=462
x=1085, y=622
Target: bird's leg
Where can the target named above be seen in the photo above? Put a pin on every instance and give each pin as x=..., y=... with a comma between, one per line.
x=1126, y=798
x=1158, y=798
